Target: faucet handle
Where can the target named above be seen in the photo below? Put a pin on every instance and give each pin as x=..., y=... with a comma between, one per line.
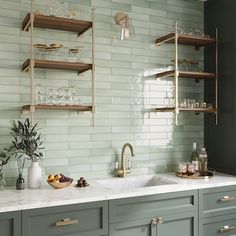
x=129, y=164
x=116, y=165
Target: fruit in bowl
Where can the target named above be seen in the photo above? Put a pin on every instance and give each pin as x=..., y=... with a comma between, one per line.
x=59, y=181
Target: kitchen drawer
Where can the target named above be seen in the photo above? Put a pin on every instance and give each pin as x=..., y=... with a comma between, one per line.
x=216, y=226
x=10, y=223
x=150, y=206
x=217, y=201
x=86, y=219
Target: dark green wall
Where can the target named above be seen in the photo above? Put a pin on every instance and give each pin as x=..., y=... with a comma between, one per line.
x=221, y=140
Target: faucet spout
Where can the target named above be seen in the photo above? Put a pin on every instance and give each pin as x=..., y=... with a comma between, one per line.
x=122, y=171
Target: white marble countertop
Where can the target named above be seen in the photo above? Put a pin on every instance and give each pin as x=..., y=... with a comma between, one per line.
x=12, y=199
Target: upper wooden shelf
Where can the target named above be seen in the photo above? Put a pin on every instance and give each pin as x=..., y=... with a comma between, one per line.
x=81, y=108
x=57, y=65
x=57, y=23
x=196, y=110
x=187, y=74
x=186, y=40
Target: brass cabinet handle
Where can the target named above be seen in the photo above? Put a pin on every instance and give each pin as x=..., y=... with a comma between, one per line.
x=154, y=221
x=160, y=220
x=67, y=221
x=226, y=228
x=227, y=198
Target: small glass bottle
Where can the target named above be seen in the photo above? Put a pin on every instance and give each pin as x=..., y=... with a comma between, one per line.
x=195, y=157
x=203, y=159
x=20, y=183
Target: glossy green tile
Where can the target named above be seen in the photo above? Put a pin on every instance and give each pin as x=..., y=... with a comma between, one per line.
x=123, y=96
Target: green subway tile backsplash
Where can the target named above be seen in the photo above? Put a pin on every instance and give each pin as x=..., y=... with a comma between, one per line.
x=124, y=96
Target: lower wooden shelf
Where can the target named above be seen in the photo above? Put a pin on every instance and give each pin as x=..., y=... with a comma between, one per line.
x=196, y=110
x=187, y=74
x=57, y=65
x=28, y=108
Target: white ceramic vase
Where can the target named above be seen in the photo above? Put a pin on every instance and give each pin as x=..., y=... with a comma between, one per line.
x=34, y=175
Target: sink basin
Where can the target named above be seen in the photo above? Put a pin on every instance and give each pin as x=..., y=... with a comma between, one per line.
x=131, y=182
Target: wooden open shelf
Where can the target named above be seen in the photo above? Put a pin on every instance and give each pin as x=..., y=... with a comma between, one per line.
x=196, y=110
x=186, y=40
x=56, y=23
x=57, y=65
x=187, y=74
x=28, y=108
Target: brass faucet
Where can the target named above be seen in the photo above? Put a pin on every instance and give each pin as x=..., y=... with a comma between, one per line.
x=122, y=171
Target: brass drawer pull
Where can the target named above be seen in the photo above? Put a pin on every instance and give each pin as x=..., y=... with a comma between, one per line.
x=154, y=221
x=160, y=220
x=226, y=228
x=67, y=221
x=227, y=199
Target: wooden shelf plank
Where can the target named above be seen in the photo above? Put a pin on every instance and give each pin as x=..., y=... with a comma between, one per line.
x=186, y=40
x=56, y=107
x=196, y=110
x=57, y=65
x=57, y=23
x=187, y=74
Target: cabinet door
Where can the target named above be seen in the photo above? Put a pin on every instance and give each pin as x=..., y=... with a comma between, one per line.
x=216, y=226
x=178, y=225
x=10, y=224
x=133, y=228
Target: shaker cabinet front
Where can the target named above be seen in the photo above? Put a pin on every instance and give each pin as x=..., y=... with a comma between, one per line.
x=10, y=223
x=155, y=215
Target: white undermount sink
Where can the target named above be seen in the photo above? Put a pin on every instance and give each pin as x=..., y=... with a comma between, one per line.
x=134, y=182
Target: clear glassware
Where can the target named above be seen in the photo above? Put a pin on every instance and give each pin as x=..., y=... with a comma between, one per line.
x=169, y=99
x=39, y=97
x=166, y=100
x=191, y=169
x=183, y=168
x=59, y=96
x=197, y=103
x=39, y=48
x=56, y=51
x=71, y=13
x=203, y=104
x=51, y=7
x=190, y=103
x=51, y=98
x=67, y=96
x=73, y=54
x=185, y=102
x=49, y=53
x=75, y=98
x=63, y=53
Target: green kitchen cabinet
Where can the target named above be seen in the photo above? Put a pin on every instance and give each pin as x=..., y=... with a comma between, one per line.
x=217, y=211
x=220, y=225
x=155, y=215
x=10, y=223
x=85, y=219
x=178, y=225
x=217, y=201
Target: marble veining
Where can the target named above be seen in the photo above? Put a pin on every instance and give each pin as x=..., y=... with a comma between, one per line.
x=13, y=200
